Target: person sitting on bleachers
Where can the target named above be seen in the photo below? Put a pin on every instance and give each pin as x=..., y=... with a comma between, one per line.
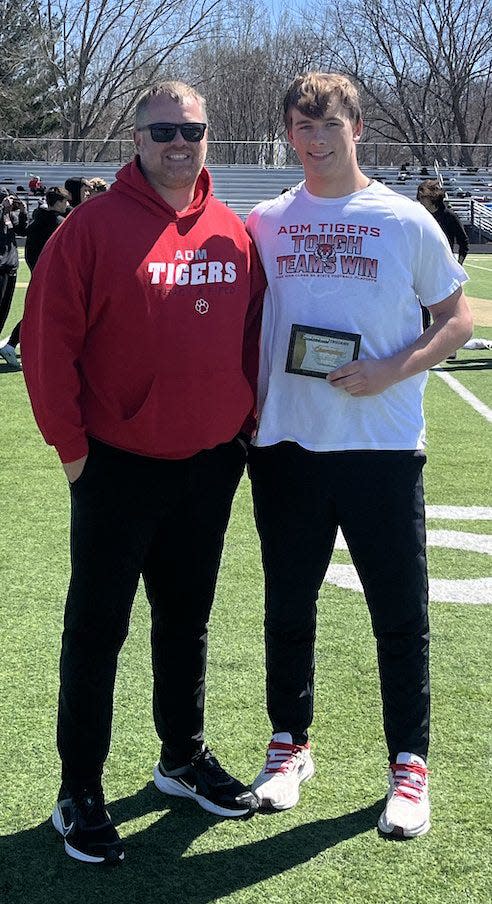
x=36, y=186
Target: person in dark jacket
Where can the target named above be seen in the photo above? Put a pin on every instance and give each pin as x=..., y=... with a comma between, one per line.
x=44, y=222
x=431, y=195
x=13, y=222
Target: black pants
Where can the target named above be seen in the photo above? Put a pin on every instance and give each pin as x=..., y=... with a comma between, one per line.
x=166, y=520
x=7, y=286
x=15, y=335
x=300, y=499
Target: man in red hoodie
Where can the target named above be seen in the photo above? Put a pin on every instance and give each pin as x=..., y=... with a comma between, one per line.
x=153, y=445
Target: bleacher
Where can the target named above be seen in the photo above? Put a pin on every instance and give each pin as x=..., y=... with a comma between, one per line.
x=241, y=186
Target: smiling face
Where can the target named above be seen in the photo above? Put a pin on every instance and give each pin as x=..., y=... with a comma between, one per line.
x=172, y=167
x=326, y=147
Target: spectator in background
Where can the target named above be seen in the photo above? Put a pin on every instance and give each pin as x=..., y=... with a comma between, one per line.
x=79, y=190
x=98, y=185
x=44, y=222
x=36, y=187
x=13, y=222
x=432, y=195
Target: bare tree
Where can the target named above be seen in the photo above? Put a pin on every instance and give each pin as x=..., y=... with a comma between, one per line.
x=243, y=68
x=100, y=54
x=75, y=68
x=425, y=68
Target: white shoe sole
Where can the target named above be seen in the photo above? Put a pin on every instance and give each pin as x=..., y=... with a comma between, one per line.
x=289, y=802
x=168, y=785
x=400, y=832
x=71, y=851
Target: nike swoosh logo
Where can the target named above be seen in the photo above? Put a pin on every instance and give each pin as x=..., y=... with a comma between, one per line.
x=67, y=829
x=191, y=787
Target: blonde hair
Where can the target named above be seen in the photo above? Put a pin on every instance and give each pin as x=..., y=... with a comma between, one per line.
x=98, y=185
x=312, y=93
x=179, y=92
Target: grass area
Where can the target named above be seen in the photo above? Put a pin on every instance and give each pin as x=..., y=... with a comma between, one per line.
x=472, y=368
x=452, y=564
x=326, y=850
x=479, y=269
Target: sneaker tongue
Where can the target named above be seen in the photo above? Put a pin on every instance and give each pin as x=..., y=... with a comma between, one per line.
x=410, y=759
x=283, y=737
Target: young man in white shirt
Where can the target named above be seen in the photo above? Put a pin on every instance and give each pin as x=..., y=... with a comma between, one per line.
x=341, y=432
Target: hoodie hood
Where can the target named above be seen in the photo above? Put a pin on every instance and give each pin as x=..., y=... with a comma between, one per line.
x=131, y=182
x=43, y=215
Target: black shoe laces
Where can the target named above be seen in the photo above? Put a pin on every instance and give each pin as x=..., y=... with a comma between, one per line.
x=91, y=807
x=207, y=762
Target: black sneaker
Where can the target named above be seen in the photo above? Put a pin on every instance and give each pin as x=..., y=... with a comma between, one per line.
x=212, y=787
x=86, y=826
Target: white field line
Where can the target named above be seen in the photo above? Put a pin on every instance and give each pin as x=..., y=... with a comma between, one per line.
x=474, y=591
x=477, y=592
x=459, y=512
x=477, y=267
x=464, y=393
x=444, y=539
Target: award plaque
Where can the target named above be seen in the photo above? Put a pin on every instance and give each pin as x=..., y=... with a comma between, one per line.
x=315, y=352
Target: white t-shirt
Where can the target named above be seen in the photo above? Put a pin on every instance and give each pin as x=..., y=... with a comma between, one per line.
x=358, y=264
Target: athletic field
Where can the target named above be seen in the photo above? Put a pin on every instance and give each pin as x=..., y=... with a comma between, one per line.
x=327, y=850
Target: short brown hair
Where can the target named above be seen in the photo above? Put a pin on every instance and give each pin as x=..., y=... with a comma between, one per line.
x=431, y=191
x=176, y=91
x=312, y=92
x=56, y=193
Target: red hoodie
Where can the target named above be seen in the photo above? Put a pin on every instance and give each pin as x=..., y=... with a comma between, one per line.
x=141, y=324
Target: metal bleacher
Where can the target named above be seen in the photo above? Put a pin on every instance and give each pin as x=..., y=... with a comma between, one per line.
x=241, y=186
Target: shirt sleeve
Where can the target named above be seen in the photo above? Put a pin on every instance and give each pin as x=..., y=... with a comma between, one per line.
x=436, y=271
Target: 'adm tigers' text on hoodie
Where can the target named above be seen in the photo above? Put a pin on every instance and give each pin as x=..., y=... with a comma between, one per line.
x=142, y=322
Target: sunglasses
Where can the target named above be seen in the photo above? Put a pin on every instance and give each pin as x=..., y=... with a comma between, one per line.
x=166, y=131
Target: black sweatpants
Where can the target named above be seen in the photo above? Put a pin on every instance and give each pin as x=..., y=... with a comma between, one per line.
x=164, y=519
x=15, y=335
x=300, y=499
x=7, y=287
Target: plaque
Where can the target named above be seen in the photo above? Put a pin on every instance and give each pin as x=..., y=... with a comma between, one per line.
x=315, y=352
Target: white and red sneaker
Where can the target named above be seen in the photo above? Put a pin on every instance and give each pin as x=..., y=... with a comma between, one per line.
x=287, y=765
x=407, y=811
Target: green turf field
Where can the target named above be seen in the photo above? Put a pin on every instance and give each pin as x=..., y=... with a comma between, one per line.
x=326, y=850
x=479, y=270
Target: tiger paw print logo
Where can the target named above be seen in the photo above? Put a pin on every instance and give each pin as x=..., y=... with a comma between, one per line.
x=201, y=306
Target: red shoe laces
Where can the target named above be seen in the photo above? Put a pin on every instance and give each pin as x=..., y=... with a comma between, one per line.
x=281, y=757
x=409, y=780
